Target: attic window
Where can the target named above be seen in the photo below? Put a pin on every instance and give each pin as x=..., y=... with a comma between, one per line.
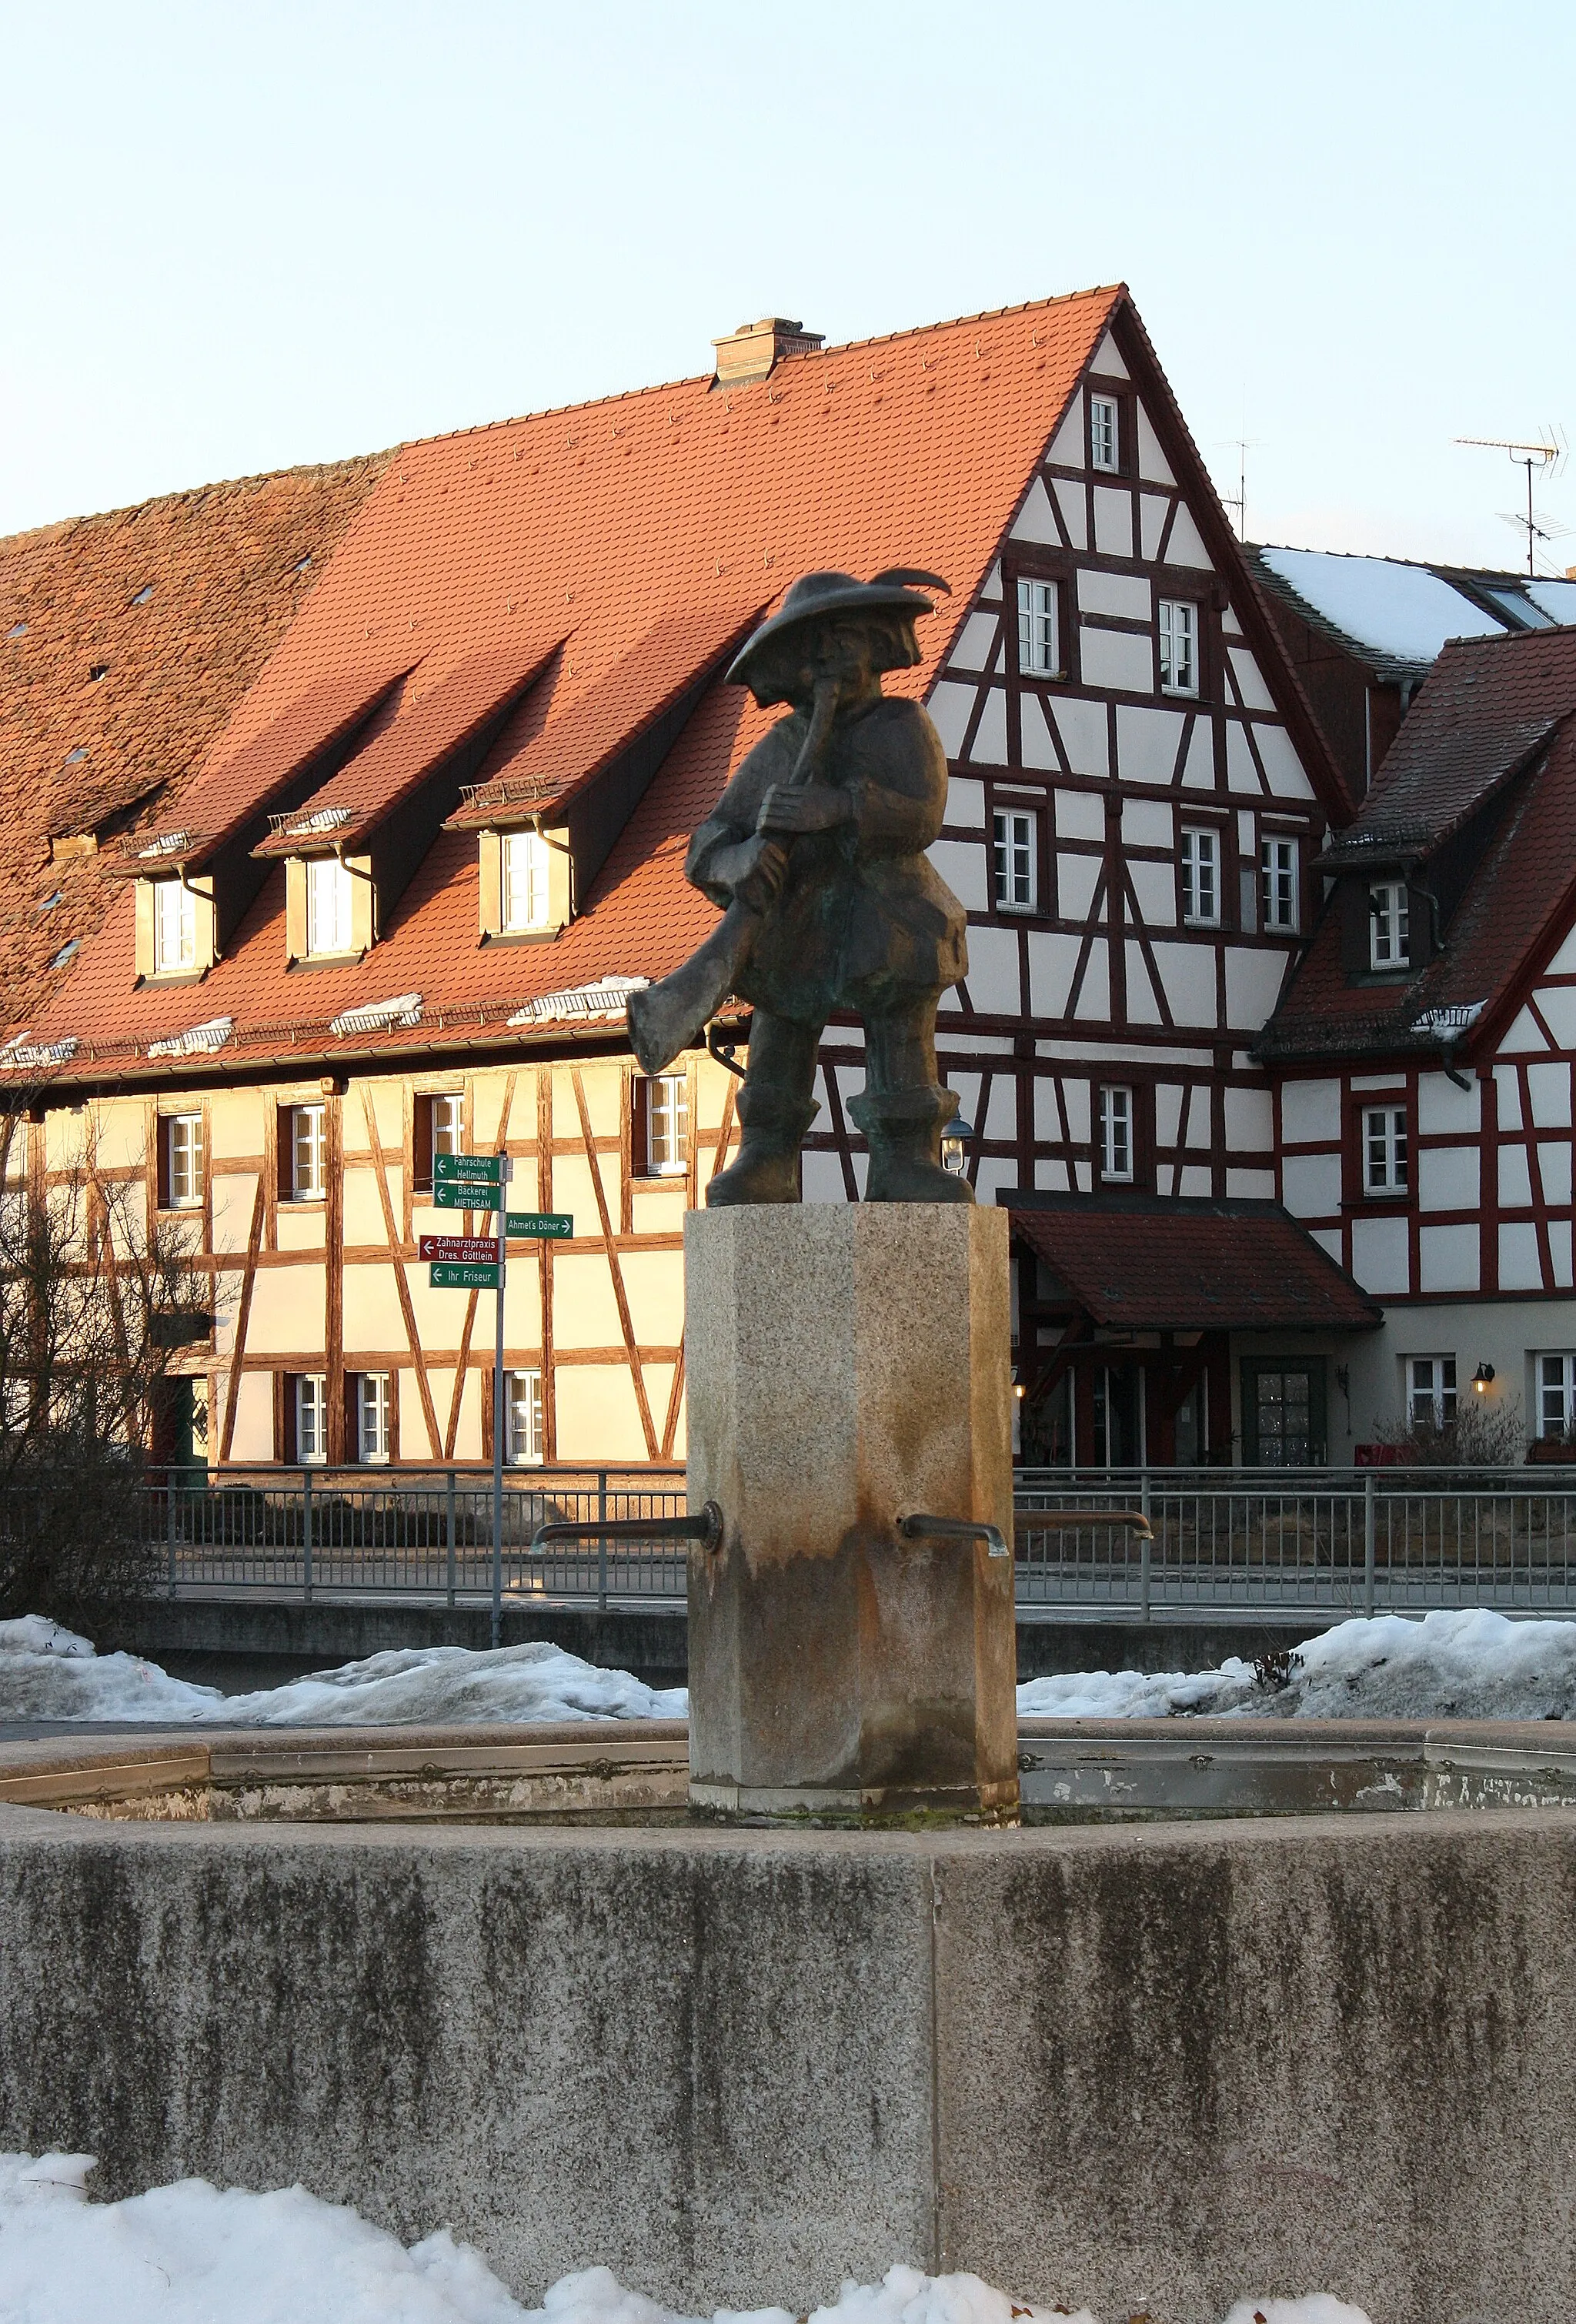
x=99, y=670
x=300, y=564
x=142, y=595
x=17, y=630
x=47, y=903
x=74, y=756
x=67, y=953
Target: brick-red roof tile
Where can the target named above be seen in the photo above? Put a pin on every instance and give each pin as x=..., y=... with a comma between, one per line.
x=1142, y=1263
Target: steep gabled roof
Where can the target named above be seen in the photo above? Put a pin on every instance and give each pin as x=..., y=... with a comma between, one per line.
x=688, y=501
x=1153, y=1263
x=179, y=602
x=1494, y=727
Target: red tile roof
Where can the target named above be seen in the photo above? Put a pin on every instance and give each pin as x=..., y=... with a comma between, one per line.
x=1144, y=1263
x=429, y=730
x=1492, y=735
x=179, y=602
x=912, y=449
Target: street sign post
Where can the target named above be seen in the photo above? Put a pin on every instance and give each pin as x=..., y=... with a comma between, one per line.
x=477, y=1182
x=542, y=1226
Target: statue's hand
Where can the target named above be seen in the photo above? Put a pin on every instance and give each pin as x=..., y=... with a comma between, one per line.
x=765, y=867
x=818, y=806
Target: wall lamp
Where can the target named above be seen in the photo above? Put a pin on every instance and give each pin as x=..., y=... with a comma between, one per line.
x=1482, y=1378
x=954, y=1141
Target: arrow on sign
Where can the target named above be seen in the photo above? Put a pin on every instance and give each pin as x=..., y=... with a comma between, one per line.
x=481, y=1249
x=469, y=1276
x=545, y=1226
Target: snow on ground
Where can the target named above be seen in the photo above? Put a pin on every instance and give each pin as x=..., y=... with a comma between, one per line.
x=50, y=1673
x=187, y=2253
x=1471, y=1665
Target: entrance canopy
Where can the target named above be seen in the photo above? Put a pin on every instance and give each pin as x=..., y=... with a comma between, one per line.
x=1145, y=1263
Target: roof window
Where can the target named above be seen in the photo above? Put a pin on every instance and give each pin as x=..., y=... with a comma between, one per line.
x=67, y=953
x=17, y=630
x=300, y=564
x=74, y=756
x=99, y=670
x=47, y=903
x=142, y=595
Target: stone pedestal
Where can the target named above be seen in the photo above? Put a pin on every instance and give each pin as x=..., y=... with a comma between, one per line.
x=848, y=1365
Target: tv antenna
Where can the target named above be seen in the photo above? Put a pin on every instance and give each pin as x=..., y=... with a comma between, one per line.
x=1242, y=446
x=1545, y=460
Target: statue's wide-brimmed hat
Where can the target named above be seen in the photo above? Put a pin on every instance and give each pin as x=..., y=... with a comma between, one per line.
x=815, y=594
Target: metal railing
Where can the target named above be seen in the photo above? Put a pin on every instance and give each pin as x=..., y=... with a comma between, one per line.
x=1278, y=1543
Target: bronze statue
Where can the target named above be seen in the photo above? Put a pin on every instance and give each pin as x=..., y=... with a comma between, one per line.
x=816, y=852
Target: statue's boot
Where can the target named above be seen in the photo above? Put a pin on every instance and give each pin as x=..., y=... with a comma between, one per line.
x=902, y=1129
x=766, y=1168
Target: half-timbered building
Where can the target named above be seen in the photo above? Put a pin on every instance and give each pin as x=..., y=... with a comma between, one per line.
x=394, y=909
x=1422, y=1051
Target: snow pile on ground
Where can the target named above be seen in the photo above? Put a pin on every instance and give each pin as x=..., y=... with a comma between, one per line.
x=187, y=2253
x=1471, y=1665
x=50, y=1673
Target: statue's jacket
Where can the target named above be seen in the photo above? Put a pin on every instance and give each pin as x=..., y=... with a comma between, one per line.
x=863, y=921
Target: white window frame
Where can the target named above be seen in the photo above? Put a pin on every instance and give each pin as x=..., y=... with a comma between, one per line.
x=374, y=1405
x=1556, y=1393
x=522, y=1419
x=1430, y=1391
x=1386, y=1165
x=1039, y=629
x=1105, y=447
x=311, y=1419
x=184, y=1160
x=525, y=892
x=1015, y=859
x=309, y=1155
x=1178, y=646
x=1199, y=854
x=1389, y=925
x=174, y=927
x=446, y=1114
x=1279, y=881
x=331, y=920
x=1116, y=1134
x=666, y=1126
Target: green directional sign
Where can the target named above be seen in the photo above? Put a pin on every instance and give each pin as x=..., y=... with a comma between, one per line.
x=466, y=1194
x=467, y=1276
x=453, y=1169
x=550, y=1226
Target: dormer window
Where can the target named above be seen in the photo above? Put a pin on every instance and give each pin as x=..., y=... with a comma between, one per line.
x=1105, y=449
x=174, y=928
x=329, y=907
x=1390, y=940
x=526, y=887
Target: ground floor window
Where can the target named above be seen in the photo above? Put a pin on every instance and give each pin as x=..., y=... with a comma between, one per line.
x=1283, y=1413
x=522, y=1405
x=373, y=1403
x=1556, y=1396
x=1430, y=1391
x=311, y=1402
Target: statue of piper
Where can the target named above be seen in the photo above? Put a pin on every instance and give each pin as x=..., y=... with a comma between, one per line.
x=815, y=852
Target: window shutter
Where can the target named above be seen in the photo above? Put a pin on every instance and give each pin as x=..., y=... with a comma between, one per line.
x=351, y=1403
x=422, y=1143
x=487, y=1379
x=363, y=897
x=490, y=866
x=1355, y=918
x=393, y=1417
x=295, y=908
x=640, y=1128
x=1419, y=927
x=285, y=1384
x=161, y=1135
x=146, y=905
x=284, y=1148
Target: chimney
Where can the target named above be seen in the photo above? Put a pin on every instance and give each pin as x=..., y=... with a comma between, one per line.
x=754, y=349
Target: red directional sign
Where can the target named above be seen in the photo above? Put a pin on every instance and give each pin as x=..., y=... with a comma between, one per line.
x=463, y=1248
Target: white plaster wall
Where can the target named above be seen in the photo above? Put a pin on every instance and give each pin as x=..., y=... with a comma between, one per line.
x=1118, y=659
x=1311, y=1185
x=1147, y=743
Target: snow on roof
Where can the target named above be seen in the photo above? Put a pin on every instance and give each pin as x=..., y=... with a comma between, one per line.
x=1557, y=599
x=1400, y=610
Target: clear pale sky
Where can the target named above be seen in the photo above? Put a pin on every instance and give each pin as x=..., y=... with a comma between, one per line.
x=240, y=237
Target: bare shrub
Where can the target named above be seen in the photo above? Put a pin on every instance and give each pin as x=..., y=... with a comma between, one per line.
x=1481, y=1434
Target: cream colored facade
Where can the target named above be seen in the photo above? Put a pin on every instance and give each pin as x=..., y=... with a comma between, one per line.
x=332, y=1286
